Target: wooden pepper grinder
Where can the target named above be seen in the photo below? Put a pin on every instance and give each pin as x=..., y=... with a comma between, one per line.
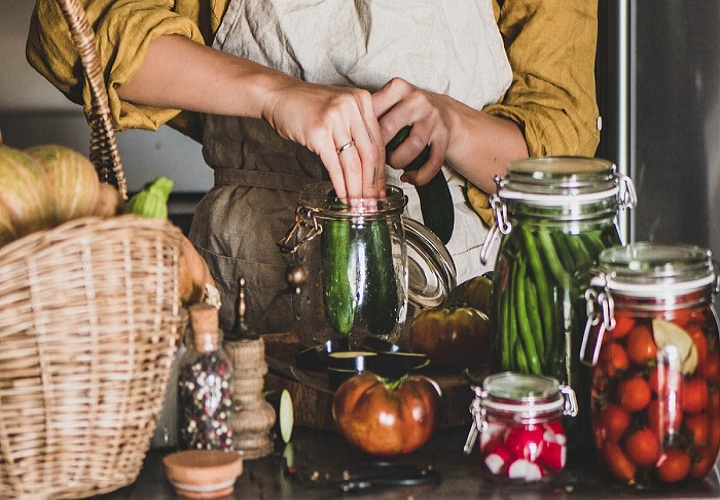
x=253, y=417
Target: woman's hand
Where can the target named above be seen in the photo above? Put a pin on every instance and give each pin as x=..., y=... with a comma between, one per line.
x=476, y=145
x=339, y=125
x=400, y=103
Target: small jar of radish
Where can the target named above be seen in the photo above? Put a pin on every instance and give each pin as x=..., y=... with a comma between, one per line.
x=519, y=420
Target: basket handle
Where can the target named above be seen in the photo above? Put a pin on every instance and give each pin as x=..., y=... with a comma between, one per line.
x=103, y=144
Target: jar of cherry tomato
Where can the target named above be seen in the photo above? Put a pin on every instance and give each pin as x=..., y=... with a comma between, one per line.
x=652, y=341
x=519, y=418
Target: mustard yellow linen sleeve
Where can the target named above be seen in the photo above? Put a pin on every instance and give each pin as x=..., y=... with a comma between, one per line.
x=123, y=30
x=551, y=46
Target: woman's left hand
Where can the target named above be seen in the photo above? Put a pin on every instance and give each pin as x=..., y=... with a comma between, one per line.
x=398, y=104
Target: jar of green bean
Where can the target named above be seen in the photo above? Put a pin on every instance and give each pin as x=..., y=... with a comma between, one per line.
x=555, y=215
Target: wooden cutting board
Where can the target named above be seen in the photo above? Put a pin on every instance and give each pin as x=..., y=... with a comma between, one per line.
x=313, y=408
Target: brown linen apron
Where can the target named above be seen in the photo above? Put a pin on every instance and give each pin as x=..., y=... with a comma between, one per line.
x=446, y=46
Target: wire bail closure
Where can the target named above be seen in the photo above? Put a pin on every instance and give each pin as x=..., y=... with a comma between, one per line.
x=600, y=311
x=286, y=244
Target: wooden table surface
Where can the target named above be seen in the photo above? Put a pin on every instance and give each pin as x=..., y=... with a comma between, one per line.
x=326, y=454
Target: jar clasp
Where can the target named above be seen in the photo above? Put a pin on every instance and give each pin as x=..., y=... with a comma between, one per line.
x=600, y=314
x=502, y=225
x=286, y=244
x=479, y=421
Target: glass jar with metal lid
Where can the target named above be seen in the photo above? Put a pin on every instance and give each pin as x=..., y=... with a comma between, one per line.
x=365, y=263
x=519, y=420
x=555, y=214
x=652, y=340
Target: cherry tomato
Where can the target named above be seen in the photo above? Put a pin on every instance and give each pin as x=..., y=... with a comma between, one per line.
x=642, y=447
x=641, y=346
x=387, y=418
x=634, y=394
x=614, y=358
x=617, y=462
x=673, y=465
x=680, y=317
x=701, y=344
x=703, y=463
x=664, y=380
x=623, y=325
x=694, y=395
x=697, y=426
x=711, y=368
x=614, y=421
x=664, y=417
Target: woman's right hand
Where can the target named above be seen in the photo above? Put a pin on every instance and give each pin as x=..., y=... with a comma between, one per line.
x=337, y=124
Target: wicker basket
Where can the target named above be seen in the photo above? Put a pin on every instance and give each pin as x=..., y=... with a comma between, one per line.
x=89, y=327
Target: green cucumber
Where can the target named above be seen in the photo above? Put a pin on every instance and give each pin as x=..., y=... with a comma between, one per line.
x=358, y=274
x=435, y=200
x=381, y=297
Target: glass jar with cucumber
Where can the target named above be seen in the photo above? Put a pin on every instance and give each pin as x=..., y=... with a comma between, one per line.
x=555, y=215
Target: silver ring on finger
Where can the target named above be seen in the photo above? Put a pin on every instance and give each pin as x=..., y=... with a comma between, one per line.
x=345, y=146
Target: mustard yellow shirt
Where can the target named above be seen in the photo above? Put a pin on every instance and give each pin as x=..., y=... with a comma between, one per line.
x=550, y=45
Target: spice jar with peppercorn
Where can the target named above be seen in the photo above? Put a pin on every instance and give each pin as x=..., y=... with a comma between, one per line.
x=205, y=385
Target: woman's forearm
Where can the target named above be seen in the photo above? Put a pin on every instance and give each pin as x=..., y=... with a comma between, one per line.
x=179, y=73
x=482, y=145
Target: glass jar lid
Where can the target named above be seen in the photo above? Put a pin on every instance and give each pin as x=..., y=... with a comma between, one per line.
x=518, y=392
x=431, y=269
x=512, y=386
x=643, y=267
x=555, y=175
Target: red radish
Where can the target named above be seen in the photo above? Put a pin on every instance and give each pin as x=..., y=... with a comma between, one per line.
x=524, y=469
x=553, y=455
x=525, y=442
x=554, y=433
x=497, y=460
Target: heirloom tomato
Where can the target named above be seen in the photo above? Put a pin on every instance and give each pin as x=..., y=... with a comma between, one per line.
x=387, y=417
x=451, y=336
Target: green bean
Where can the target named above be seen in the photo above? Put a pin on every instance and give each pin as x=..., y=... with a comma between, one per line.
x=543, y=291
x=501, y=319
x=531, y=302
x=512, y=319
x=523, y=324
x=551, y=258
x=563, y=250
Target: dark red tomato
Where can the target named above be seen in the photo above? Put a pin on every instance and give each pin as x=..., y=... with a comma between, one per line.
x=694, y=395
x=634, y=394
x=641, y=346
x=451, y=336
x=387, y=418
